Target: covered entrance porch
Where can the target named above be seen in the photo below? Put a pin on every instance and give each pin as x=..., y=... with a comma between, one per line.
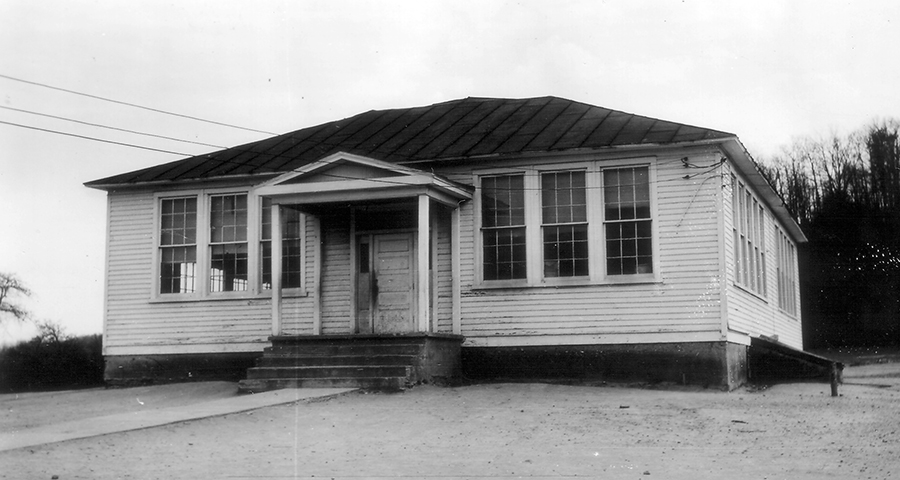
x=382, y=277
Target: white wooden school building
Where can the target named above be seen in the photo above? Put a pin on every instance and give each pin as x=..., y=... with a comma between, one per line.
x=480, y=238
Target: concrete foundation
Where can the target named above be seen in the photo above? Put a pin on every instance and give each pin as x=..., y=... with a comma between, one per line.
x=719, y=365
x=439, y=359
x=130, y=370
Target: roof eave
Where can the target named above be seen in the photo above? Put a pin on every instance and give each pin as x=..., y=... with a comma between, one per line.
x=568, y=151
x=747, y=166
x=250, y=178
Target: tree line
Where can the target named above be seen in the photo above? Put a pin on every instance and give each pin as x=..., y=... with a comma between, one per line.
x=52, y=359
x=844, y=190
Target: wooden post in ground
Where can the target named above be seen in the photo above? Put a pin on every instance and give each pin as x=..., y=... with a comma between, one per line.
x=834, y=379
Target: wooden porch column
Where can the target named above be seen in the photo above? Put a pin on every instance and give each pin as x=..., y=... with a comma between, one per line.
x=422, y=274
x=454, y=270
x=317, y=275
x=276, y=269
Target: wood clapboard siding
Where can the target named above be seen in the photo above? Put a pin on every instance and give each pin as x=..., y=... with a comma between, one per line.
x=137, y=324
x=443, y=311
x=748, y=313
x=685, y=300
x=336, y=275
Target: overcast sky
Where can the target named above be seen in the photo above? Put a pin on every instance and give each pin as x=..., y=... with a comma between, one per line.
x=765, y=70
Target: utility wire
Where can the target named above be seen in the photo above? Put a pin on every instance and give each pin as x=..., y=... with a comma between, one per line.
x=105, y=99
x=110, y=127
x=132, y=145
x=708, y=168
x=95, y=139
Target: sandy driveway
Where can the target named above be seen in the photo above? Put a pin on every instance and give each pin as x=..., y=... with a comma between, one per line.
x=490, y=431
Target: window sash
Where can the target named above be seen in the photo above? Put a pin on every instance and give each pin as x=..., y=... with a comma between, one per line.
x=564, y=224
x=785, y=274
x=504, y=249
x=748, y=227
x=177, y=245
x=291, y=247
x=228, y=251
x=177, y=270
x=628, y=221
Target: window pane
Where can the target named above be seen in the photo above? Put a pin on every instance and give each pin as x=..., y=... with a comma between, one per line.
x=565, y=251
x=503, y=201
x=563, y=201
x=504, y=253
x=178, y=219
x=627, y=252
x=228, y=268
x=291, y=264
x=291, y=254
x=228, y=218
x=563, y=197
x=176, y=269
x=629, y=239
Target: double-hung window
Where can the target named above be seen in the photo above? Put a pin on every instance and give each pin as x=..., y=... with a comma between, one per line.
x=628, y=225
x=228, y=269
x=568, y=225
x=178, y=245
x=787, y=283
x=291, y=247
x=218, y=244
x=503, y=227
x=748, y=227
x=564, y=224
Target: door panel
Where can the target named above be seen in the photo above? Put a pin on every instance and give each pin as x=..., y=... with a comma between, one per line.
x=393, y=286
x=364, y=285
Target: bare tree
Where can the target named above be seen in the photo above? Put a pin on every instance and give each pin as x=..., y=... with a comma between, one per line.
x=10, y=287
x=51, y=332
x=883, y=145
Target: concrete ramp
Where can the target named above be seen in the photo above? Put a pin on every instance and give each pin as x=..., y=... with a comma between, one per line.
x=771, y=360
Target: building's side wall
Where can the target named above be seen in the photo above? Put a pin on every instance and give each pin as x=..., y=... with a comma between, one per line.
x=749, y=313
x=336, y=275
x=443, y=275
x=683, y=305
x=138, y=324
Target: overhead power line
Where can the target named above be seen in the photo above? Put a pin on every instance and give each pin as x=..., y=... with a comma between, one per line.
x=142, y=147
x=105, y=99
x=99, y=125
x=95, y=139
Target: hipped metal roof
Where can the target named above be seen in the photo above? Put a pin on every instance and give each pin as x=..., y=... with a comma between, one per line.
x=458, y=129
x=464, y=129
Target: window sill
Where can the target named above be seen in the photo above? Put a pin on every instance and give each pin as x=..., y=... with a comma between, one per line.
x=792, y=316
x=219, y=297
x=608, y=282
x=750, y=292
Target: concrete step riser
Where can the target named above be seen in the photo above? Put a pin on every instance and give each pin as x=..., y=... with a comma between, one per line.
x=336, y=360
x=256, y=386
x=330, y=350
x=357, y=372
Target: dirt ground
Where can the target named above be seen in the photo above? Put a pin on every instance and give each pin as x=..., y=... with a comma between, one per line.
x=788, y=431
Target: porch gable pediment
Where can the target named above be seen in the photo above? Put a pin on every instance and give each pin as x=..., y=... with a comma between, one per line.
x=348, y=177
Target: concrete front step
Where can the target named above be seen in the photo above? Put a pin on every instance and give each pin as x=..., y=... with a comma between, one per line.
x=344, y=349
x=377, y=362
x=268, y=384
x=297, y=360
x=330, y=371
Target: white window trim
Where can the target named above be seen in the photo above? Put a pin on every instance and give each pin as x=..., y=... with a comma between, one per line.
x=786, y=258
x=287, y=292
x=596, y=235
x=202, y=282
x=736, y=195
